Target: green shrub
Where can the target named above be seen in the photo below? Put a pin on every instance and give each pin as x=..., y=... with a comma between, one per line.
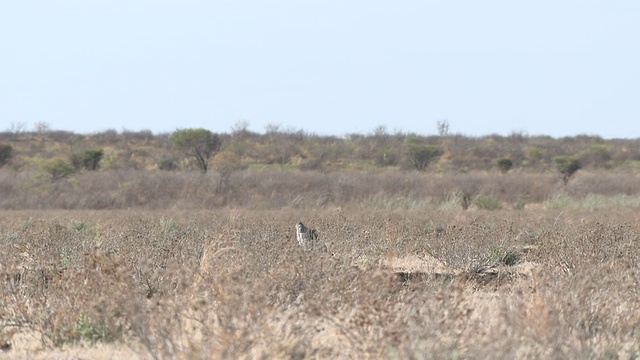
x=85, y=328
x=78, y=225
x=57, y=168
x=421, y=155
x=89, y=159
x=6, y=153
x=504, y=256
x=598, y=156
x=567, y=166
x=487, y=202
x=504, y=165
x=558, y=201
x=167, y=164
x=535, y=154
x=200, y=143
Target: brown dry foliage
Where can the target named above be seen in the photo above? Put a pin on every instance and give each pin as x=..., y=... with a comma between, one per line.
x=279, y=188
x=181, y=265
x=293, y=169
x=401, y=284
x=296, y=148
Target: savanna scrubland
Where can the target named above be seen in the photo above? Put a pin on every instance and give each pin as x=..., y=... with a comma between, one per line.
x=145, y=256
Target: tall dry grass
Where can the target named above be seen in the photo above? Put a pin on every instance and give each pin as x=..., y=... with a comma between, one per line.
x=385, y=284
x=276, y=189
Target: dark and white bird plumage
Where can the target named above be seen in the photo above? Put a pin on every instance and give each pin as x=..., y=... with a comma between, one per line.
x=304, y=235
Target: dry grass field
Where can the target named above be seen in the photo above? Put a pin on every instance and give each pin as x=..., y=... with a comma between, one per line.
x=397, y=284
x=146, y=257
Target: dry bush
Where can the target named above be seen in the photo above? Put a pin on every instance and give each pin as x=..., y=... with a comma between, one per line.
x=276, y=189
x=290, y=147
x=400, y=284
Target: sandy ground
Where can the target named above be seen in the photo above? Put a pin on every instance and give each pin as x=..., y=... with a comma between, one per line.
x=27, y=346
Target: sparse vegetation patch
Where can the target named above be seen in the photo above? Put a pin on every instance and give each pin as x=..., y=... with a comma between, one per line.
x=125, y=246
x=236, y=284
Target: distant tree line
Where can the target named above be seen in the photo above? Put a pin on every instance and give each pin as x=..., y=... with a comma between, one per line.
x=62, y=153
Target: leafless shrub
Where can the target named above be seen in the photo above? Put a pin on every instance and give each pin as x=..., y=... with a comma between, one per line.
x=143, y=136
x=235, y=284
x=289, y=147
x=226, y=165
x=277, y=188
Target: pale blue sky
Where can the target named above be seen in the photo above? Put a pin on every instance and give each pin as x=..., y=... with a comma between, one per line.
x=549, y=67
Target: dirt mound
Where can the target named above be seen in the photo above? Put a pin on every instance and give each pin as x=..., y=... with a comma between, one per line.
x=421, y=268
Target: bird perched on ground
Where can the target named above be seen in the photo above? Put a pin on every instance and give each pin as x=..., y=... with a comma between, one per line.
x=305, y=235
